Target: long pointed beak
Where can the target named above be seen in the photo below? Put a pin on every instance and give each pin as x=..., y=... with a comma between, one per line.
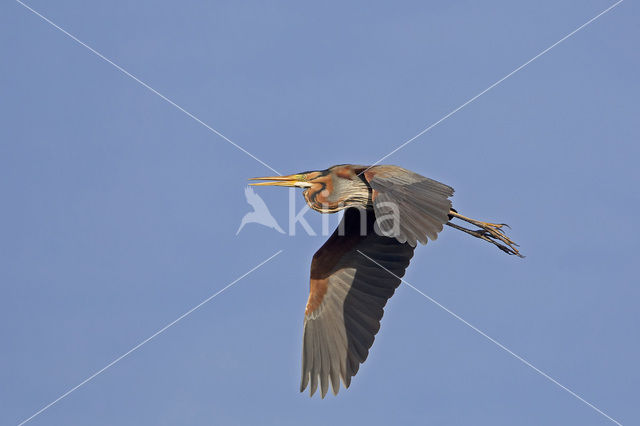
x=291, y=180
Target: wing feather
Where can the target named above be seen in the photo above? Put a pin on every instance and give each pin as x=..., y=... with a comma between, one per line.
x=422, y=204
x=343, y=317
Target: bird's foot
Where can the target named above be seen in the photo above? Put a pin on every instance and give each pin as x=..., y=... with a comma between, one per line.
x=491, y=232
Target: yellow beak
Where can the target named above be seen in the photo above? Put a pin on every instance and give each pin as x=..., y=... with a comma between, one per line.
x=292, y=180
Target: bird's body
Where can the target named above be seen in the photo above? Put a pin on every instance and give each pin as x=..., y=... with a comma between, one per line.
x=388, y=210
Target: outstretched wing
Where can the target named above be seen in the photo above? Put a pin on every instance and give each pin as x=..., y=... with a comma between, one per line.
x=347, y=295
x=409, y=207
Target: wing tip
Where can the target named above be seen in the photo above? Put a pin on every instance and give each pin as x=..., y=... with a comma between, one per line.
x=335, y=387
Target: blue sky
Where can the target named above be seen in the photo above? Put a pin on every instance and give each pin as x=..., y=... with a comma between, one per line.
x=119, y=212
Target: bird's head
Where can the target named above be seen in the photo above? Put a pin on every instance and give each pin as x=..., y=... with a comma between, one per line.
x=327, y=191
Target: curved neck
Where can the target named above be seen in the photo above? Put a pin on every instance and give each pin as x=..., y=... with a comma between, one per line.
x=329, y=195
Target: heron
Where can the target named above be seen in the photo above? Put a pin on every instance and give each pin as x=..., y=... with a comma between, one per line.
x=388, y=210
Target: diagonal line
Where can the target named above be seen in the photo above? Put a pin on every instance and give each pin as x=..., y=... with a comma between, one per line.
x=500, y=345
x=145, y=85
x=495, y=84
x=136, y=347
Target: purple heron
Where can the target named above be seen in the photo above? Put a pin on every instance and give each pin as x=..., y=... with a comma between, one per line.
x=388, y=210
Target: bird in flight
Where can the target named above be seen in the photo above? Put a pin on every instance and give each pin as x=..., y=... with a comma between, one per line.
x=388, y=210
